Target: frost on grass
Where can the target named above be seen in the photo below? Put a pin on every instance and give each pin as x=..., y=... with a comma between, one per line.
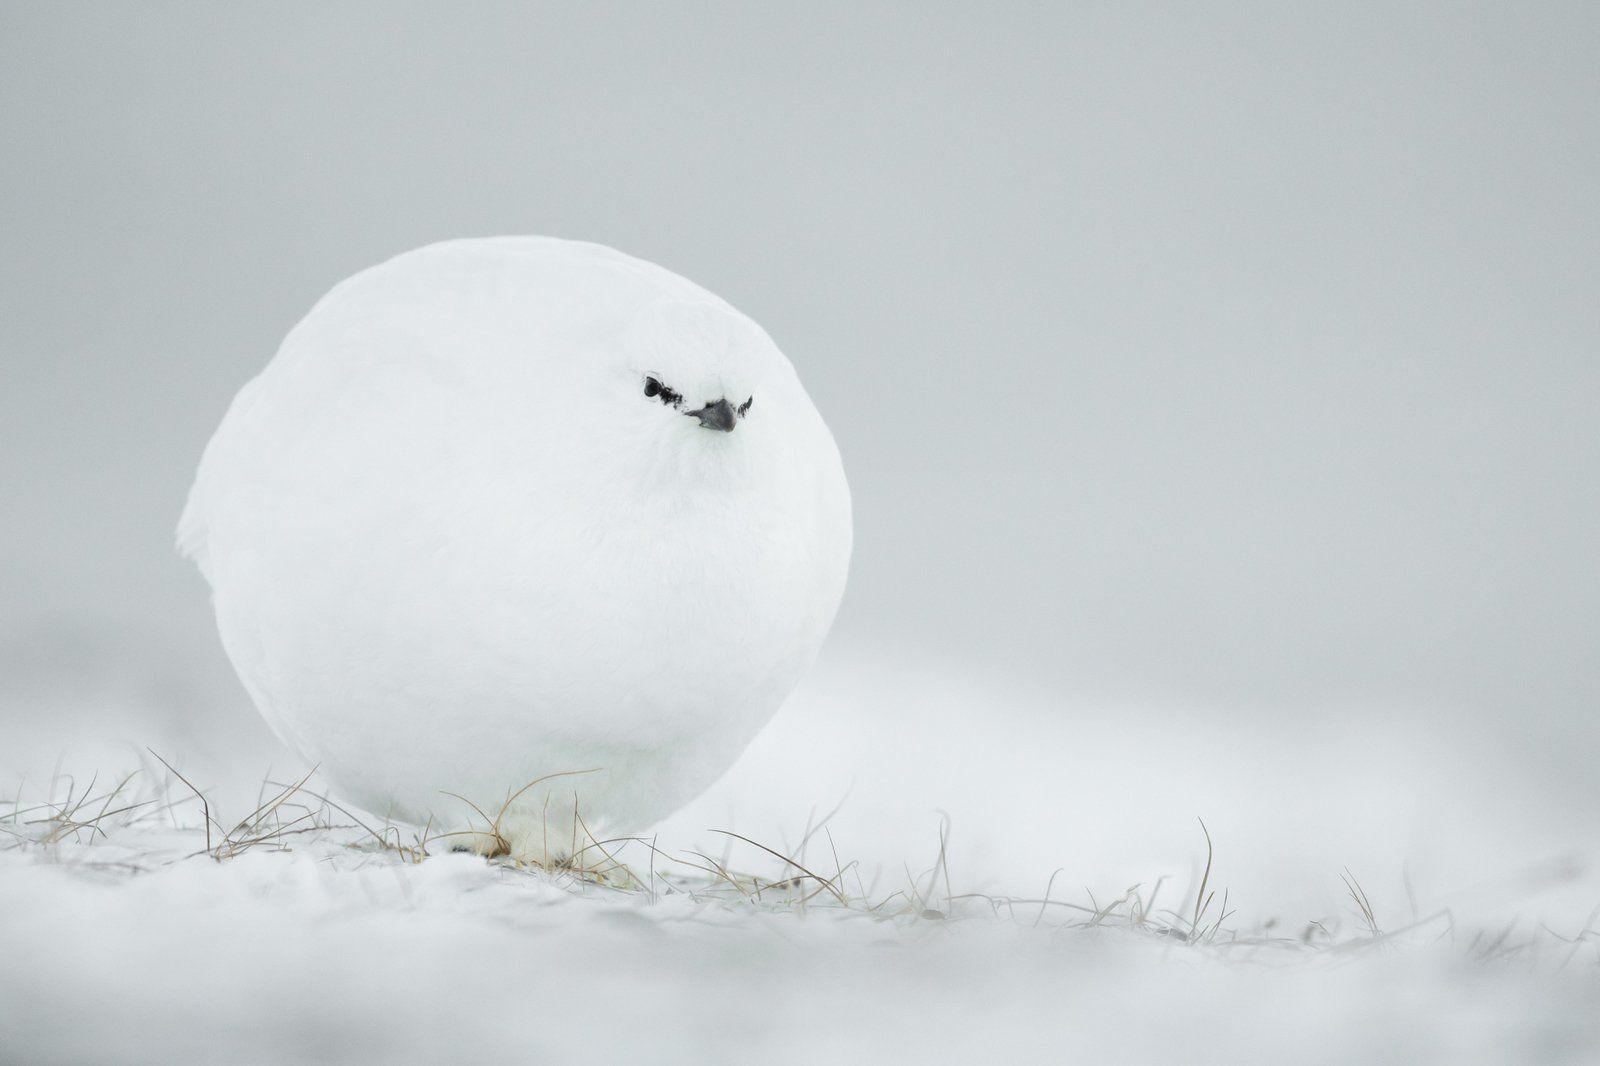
x=141, y=924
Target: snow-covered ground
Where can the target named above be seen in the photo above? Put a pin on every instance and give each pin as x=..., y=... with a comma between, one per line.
x=130, y=942
x=328, y=954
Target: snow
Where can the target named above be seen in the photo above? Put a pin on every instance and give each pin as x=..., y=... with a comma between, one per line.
x=329, y=954
x=134, y=945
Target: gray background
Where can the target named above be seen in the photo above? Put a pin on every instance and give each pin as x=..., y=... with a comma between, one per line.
x=1244, y=356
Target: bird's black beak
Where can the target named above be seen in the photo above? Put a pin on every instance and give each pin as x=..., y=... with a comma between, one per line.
x=719, y=415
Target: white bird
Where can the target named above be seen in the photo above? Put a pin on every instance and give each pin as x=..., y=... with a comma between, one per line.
x=507, y=508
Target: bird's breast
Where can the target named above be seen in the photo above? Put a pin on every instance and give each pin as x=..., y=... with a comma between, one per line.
x=647, y=616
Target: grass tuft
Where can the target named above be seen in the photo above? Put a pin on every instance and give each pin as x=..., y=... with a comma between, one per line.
x=288, y=814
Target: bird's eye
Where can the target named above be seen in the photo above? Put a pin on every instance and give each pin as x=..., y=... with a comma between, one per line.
x=744, y=408
x=655, y=389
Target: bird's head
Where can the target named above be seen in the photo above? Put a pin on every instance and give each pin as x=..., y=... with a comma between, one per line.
x=697, y=366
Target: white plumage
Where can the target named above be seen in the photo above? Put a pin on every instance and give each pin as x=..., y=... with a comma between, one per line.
x=458, y=541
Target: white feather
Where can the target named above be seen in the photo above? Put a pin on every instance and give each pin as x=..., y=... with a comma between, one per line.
x=454, y=547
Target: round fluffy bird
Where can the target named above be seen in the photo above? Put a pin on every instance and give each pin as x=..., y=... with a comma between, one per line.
x=510, y=508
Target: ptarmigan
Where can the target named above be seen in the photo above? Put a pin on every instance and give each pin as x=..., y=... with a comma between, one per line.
x=507, y=508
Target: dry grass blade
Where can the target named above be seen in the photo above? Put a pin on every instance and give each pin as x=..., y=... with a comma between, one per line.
x=944, y=864
x=536, y=781
x=205, y=805
x=716, y=869
x=828, y=885
x=499, y=845
x=812, y=830
x=1363, y=904
x=1580, y=938
x=1044, y=904
x=779, y=855
x=1201, y=900
x=252, y=830
x=615, y=865
x=64, y=818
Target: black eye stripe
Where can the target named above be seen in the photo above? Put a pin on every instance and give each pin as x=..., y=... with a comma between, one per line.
x=654, y=387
